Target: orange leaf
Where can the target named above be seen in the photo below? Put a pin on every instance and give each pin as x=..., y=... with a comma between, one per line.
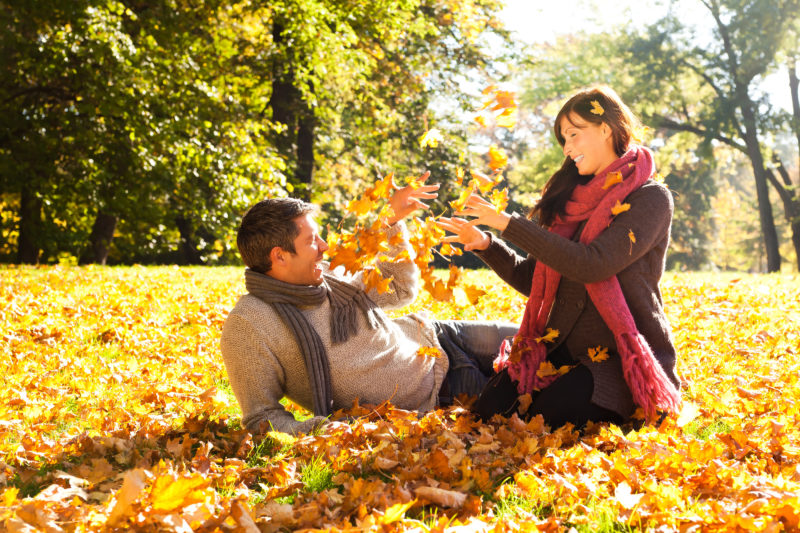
x=499, y=199
x=619, y=208
x=497, y=157
x=361, y=206
x=429, y=351
x=597, y=109
x=473, y=293
x=384, y=187
x=598, y=354
x=612, y=178
x=550, y=336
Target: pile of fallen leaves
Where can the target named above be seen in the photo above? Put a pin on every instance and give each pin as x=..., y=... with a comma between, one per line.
x=116, y=414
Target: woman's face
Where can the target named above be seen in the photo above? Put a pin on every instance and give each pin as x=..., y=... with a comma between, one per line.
x=590, y=146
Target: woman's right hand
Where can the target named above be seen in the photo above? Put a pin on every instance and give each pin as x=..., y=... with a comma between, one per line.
x=465, y=233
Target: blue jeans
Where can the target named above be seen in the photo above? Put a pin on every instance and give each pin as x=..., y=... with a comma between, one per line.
x=471, y=347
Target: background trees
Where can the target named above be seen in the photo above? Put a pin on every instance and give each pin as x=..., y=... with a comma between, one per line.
x=139, y=131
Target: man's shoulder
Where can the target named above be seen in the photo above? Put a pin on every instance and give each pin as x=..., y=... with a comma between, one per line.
x=251, y=309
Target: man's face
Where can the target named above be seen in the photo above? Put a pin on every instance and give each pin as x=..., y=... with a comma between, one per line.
x=303, y=266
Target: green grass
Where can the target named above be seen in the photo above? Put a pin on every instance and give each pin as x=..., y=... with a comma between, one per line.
x=317, y=475
x=703, y=429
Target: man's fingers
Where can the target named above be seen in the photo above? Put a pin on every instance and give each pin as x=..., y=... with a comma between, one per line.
x=425, y=176
x=451, y=238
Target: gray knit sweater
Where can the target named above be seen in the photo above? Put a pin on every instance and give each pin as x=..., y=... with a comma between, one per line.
x=264, y=362
x=638, y=267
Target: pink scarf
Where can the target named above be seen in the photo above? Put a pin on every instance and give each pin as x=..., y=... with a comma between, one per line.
x=649, y=385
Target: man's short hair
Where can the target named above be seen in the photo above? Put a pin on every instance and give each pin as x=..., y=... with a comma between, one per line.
x=268, y=224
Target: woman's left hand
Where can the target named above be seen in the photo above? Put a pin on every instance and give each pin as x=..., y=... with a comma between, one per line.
x=485, y=213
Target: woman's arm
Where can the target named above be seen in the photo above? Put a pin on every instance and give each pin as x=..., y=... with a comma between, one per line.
x=511, y=267
x=648, y=220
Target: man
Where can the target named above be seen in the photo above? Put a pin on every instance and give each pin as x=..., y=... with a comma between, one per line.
x=318, y=338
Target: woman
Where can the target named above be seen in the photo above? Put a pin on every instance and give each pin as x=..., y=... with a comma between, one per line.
x=596, y=244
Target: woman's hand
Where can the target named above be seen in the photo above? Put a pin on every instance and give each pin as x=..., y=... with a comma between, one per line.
x=406, y=200
x=485, y=213
x=465, y=233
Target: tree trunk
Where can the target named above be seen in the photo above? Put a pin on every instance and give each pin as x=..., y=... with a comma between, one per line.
x=99, y=240
x=305, y=152
x=191, y=255
x=794, y=89
x=30, y=223
x=283, y=100
x=765, y=214
x=790, y=197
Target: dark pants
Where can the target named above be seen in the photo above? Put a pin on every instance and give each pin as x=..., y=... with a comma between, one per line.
x=471, y=348
x=567, y=399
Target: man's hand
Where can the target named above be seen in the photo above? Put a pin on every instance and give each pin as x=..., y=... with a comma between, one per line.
x=465, y=233
x=408, y=199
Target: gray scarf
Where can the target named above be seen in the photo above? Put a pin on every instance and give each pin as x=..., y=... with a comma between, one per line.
x=344, y=299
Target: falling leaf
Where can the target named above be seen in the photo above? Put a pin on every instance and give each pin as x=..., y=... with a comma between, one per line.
x=431, y=138
x=612, y=178
x=480, y=119
x=499, y=199
x=459, y=176
x=632, y=238
x=507, y=119
x=384, y=187
x=597, y=109
x=473, y=293
x=550, y=336
x=598, y=354
x=619, y=208
x=497, y=157
x=460, y=203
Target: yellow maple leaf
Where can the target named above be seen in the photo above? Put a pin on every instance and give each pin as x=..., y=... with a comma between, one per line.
x=384, y=187
x=598, y=354
x=373, y=279
x=499, y=199
x=481, y=120
x=497, y=157
x=473, y=293
x=550, y=336
x=396, y=512
x=597, y=109
x=459, y=176
x=431, y=138
x=546, y=369
x=459, y=203
x=361, y=206
x=508, y=118
x=612, y=178
x=170, y=493
x=620, y=208
x=449, y=249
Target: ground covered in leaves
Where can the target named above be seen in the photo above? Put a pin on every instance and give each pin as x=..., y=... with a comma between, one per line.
x=115, y=413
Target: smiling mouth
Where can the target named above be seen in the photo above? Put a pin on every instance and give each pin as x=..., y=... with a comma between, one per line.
x=578, y=159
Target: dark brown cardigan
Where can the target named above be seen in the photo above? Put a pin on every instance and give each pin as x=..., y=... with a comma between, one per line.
x=638, y=267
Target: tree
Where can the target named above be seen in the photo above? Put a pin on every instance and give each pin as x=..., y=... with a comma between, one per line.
x=711, y=88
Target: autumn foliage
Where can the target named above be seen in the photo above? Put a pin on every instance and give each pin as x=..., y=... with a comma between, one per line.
x=116, y=413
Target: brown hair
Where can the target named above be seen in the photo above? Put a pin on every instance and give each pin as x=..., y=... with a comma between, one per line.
x=269, y=224
x=615, y=114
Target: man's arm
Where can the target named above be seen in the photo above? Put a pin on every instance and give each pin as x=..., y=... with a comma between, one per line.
x=256, y=377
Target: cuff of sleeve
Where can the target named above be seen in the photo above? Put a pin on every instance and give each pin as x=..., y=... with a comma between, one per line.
x=523, y=233
x=493, y=251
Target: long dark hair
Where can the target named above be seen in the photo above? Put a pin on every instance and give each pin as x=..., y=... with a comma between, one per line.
x=615, y=114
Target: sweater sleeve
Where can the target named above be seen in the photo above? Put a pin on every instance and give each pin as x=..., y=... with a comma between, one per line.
x=257, y=380
x=404, y=286
x=512, y=268
x=648, y=220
